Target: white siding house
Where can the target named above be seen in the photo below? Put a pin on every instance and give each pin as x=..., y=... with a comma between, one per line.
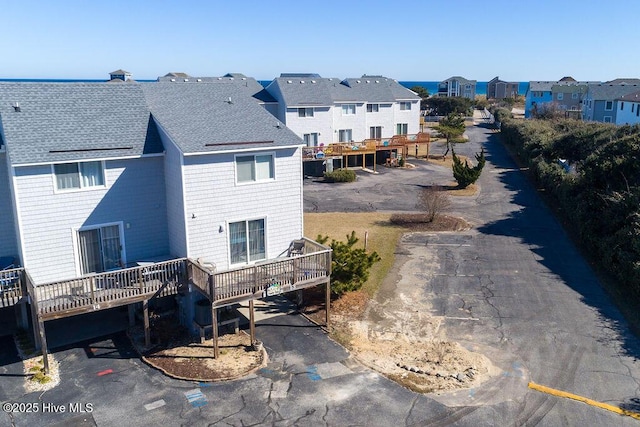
x=327, y=110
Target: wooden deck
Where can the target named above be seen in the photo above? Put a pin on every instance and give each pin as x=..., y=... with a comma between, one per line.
x=12, y=287
x=368, y=146
x=130, y=285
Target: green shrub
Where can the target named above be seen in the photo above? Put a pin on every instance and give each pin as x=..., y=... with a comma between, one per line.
x=349, y=266
x=340, y=175
x=464, y=174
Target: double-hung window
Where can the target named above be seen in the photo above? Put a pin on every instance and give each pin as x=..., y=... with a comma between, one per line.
x=373, y=108
x=404, y=105
x=348, y=109
x=305, y=112
x=402, y=128
x=247, y=241
x=310, y=139
x=254, y=168
x=608, y=105
x=71, y=176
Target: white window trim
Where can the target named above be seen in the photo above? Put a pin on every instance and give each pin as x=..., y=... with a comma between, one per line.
x=266, y=241
x=560, y=96
x=406, y=104
x=604, y=119
x=254, y=154
x=57, y=190
x=373, y=110
x=605, y=106
x=342, y=108
x=76, y=250
x=306, y=112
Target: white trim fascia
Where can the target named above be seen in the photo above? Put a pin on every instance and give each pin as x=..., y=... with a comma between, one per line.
x=243, y=150
x=98, y=159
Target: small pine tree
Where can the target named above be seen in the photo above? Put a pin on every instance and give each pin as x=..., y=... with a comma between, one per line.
x=464, y=174
x=349, y=266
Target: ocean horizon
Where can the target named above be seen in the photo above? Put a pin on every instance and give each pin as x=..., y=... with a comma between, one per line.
x=430, y=86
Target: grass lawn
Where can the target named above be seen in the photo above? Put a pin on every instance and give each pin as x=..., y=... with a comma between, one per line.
x=383, y=237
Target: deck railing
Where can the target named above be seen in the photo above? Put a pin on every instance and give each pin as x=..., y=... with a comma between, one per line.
x=125, y=286
x=110, y=287
x=366, y=146
x=12, y=286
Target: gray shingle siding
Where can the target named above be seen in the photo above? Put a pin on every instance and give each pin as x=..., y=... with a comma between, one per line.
x=134, y=195
x=8, y=242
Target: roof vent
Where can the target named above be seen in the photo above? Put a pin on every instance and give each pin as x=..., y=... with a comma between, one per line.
x=229, y=101
x=219, y=78
x=198, y=80
x=173, y=80
x=244, y=78
x=278, y=125
x=301, y=81
x=313, y=81
x=357, y=81
x=289, y=82
x=368, y=81
x=377, y=81
x=16, y=107
x=186, y=80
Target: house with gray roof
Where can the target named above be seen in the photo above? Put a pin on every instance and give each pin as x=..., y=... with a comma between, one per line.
x=599, y=103
x=328, y=110
x=500, y=89
x=95, y=177
x=457, y=86
x=628, y=109
x=565, y=94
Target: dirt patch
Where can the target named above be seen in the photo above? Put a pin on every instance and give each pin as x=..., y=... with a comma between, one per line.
x=179, y=355
x=420, y=222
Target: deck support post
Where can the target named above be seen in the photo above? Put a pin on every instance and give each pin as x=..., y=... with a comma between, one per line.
x=21, y=315
x=36, y=325
x=147, y=332
x=132, y=314
x=214, y=324
x=252, y=323
x=327, y=302
x=43, y=345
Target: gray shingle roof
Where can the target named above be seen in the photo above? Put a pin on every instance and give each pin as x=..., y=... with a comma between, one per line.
x=248, y=84
x=546, y=86
x=60, y=122
x=607, y=92
x=631, y=97
x=318, y=91
x=461, y=80
x=199, y=117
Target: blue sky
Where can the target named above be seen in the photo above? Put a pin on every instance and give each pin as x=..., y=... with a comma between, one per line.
x=404, y=40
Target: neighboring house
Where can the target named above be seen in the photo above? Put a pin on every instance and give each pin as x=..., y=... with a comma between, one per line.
x=499, y=89
x=328, y=110
x=600, y=99
x=628, y=109
x=120, y=75
x=457, y=86
x=569, y=97
x=95, y=177
x=566, y=93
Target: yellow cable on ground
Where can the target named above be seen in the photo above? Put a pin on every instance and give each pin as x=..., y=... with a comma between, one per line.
x=588, y=401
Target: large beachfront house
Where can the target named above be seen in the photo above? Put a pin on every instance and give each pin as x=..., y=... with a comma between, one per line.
x=457, y=86
x=565, y=94
x=98, y=180
x=329, y=110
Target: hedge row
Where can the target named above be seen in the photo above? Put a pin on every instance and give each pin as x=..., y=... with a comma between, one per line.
x=592, y=170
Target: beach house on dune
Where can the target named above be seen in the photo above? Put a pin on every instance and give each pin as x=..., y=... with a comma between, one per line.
x=457, y=86
x=115, y=194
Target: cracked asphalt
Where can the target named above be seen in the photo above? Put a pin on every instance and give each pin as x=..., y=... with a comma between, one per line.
x=513, y=288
